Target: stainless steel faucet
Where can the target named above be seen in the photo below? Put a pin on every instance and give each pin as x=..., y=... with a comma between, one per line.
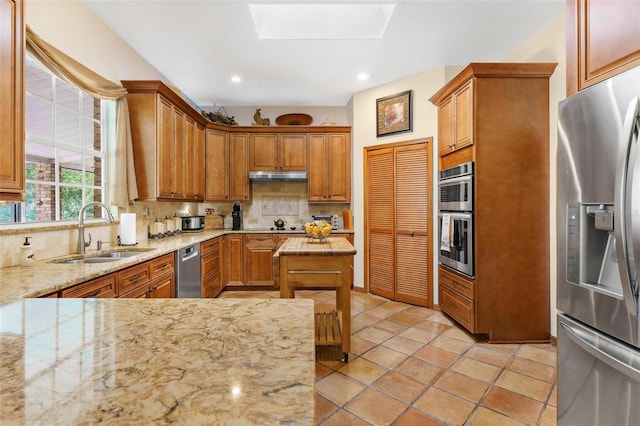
x=82, y=245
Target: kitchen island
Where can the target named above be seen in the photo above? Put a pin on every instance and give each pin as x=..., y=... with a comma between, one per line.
x=313, y=264
x=150, y=361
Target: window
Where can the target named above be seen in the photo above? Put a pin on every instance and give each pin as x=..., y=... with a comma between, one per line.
x=65, y=149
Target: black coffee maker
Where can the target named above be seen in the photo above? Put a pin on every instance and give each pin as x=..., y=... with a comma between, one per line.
x=236, y=215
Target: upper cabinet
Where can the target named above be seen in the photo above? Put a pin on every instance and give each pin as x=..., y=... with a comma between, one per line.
x=603, y=39
x=227, y=176
x=455, y=120
x=278, y=152
x=168, y=143
x=12, y=160
x=330, y=168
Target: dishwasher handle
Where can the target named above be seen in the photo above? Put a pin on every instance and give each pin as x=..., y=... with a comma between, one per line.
x=191, y=255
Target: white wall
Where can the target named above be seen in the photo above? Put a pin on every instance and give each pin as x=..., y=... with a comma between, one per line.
x=549, y=45
x=363, y=130
x=75, y=30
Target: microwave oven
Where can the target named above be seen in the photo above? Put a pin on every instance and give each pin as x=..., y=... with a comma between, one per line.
x=455, y=188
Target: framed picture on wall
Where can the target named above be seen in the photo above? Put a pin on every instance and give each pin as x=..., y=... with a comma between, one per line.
x=393, y=113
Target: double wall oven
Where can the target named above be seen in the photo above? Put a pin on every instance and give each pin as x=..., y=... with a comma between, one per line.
x=455, y=218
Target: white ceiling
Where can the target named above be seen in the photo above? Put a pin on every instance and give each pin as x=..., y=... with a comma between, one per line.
x=200, y=44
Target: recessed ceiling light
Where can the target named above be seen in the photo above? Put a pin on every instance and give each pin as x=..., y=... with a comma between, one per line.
x=363, y=76
x=321, y=21
x=236, y=79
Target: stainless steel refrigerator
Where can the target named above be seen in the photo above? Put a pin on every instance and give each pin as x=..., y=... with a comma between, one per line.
x=598, y=218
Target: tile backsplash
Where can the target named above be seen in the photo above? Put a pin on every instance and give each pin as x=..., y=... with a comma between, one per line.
x=269, y=201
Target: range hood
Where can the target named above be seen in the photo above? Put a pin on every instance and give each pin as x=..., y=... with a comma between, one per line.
x=277, y=176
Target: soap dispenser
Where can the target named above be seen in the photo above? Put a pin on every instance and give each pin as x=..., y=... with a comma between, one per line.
x=26, y=253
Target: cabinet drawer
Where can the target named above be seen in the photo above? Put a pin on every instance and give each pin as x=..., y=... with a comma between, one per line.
x=210, y=246
x=161, y=265
x=210, y=265
x=458, y=306
x=313, y=263
x=211, y=287
x=133, y=278
x=457, y=283
x=100, y=287
x=260, y=241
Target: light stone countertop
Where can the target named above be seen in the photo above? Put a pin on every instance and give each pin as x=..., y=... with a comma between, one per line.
x=157, y=361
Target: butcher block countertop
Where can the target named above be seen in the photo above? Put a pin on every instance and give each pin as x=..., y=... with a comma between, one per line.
x=157, y=361
x=302, y=247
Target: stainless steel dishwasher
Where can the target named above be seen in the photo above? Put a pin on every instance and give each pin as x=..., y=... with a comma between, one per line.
x=188, y=271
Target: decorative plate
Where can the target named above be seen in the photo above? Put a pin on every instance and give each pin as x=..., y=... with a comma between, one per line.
x=294, y=120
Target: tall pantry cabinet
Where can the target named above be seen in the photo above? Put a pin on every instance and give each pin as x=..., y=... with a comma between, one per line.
x=12, y=160
x=398, y=254
x=507, y=299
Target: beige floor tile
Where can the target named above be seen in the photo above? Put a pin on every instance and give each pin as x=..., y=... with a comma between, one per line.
x=419, y=334
x=338, y=388
x=462, y=386
x=451, y=345
x=544, y=356
x=549, y=416
x=532, y=369
x=460, y=334
x=444, y=406
x=441, y=318
x=360, y=345
x=390, y=326
x=375, y=407
x=510, y=348
x=385, y=357
x=413, y=417
x=322, y=371
x=404, y=345
x=399, y=386
x=497, y=358
x=523, y=385
x=553, y=398
x=485, y=417
x=421, y=371
x=432, y=326
x=374, y=334
x=362, y=320
x=476, y=369
x=343, y=418
x=324, y=408
x=437, y=356
x=363, y=370
x=515, y=406
x=404, y=319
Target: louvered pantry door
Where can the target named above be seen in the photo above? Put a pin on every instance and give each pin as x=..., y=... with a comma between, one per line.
x=412, y=187
x=379, y=207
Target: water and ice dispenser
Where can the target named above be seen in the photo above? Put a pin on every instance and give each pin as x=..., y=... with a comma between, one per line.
x=591, y=246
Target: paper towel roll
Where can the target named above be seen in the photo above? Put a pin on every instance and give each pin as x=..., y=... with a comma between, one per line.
x=128, y=229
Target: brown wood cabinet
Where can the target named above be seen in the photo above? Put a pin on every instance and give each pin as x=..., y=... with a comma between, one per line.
x=234, y=260
x=162, y=273
x=278, y=152
x=455, y=120
x=12, y=48
x=162, y=129
x=508, y=298
x=603, y=39
x=227, y=174
x=210, y=267
x=397, y=228
x=330, y=168
x=258, y=255
x=134, y=281
x=104, y=286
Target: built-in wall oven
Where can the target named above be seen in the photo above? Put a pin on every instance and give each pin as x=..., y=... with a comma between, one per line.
x=455, y=218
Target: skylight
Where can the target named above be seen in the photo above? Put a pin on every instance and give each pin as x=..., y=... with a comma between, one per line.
x=321, y=21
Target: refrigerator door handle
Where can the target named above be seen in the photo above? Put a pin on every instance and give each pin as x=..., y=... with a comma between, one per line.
x=602, y=350
x=620, y=207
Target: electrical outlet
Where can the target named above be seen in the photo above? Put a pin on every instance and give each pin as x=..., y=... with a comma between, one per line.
x=209, y=210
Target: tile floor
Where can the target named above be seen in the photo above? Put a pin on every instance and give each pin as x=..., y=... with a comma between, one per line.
x=413, y=366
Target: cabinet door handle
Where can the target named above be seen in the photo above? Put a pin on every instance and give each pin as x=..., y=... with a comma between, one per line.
x=92, y=294
x=136, y=277
x=455, y=283
x=453, y=305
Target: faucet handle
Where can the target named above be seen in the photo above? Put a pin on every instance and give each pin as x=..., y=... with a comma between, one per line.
x=88, y=243
x=100, y=243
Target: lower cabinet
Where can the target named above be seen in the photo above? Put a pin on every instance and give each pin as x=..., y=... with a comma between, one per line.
x=163, y=279
x=234, y=260
x=134, y=281
x=210, y=268
x=104, y=286
x=259, y=250
x=456, y=298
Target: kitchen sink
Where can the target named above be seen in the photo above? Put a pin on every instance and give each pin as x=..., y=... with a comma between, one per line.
x=103, y=257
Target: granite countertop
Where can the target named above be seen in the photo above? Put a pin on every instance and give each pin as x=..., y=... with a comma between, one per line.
x=150, y=361
x=44, y=277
